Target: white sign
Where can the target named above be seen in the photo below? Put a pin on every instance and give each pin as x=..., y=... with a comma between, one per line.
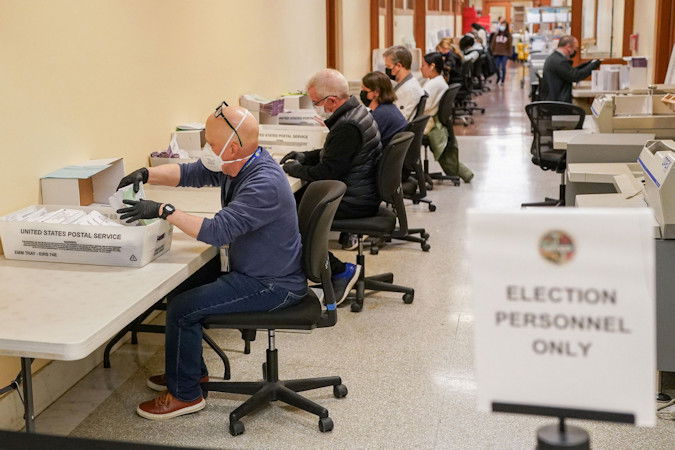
x=564, y=305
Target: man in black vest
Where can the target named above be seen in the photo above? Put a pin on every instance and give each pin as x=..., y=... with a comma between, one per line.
x=559, y=73
x=350, y=154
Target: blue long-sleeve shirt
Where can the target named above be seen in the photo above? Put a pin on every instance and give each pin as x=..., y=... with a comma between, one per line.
x=260, y=223
x=389, y=120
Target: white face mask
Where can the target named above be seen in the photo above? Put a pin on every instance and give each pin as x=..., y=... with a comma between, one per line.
x=502, y=27
x=321, y=111
x=213, y=162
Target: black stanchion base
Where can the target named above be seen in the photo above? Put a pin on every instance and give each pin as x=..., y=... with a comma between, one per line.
x=573, y=438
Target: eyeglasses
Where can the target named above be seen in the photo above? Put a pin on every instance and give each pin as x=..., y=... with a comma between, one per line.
x=316, y=103
x=219, y=113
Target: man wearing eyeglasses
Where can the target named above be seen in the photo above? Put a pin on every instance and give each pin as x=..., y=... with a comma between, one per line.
x=350, y=154
x=259, y=223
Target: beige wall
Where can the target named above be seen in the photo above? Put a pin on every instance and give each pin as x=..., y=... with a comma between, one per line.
x=84, y=79
x=355, y=39
x=644, y=24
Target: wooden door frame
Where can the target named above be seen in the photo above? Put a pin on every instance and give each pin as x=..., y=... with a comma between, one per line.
x=664, y=38
x=487, y=4
x=628, y=15
x=332, y=26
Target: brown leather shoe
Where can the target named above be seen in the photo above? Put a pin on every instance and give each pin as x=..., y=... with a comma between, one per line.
x=166, y=406
x=158, y=382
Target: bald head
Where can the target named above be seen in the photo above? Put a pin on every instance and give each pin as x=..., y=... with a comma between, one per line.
x=218, y=132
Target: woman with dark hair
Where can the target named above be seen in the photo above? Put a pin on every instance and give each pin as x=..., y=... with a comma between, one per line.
x=502, y=48
x=378, y=95
x=435, y=85
x=441, y=139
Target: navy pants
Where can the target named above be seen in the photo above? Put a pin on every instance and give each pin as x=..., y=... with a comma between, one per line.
x=500, y=61
x=229, y=293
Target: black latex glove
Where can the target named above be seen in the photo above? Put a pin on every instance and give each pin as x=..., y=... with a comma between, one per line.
x=292, y=168
x=298, y=156
x=141, y=209
x=595, y=63
x=135, y=178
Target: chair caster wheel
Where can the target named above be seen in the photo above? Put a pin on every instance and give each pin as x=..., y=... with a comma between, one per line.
x=425, y=236
x=432, y=208
x=237, y=428
x=325, y=424
x=374, y=250
x=408, y=298
x=425, y=247
x=416, y=202
x=356, y=307
x=340, y=390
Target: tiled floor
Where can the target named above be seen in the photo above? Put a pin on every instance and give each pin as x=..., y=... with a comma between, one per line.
x=409, y=368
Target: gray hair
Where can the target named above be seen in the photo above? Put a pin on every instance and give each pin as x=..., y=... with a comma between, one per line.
x=329, y=82
x=399, y=54
x=566, y=40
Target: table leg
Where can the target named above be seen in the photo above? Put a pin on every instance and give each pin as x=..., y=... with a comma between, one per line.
x=27, y=376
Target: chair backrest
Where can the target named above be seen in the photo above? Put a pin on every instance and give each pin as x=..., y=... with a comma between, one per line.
x=419, y=109
x=446, y=107
x=545, y=117
x=315, y=216
x=417, y=128
x=390, y=165
x=389, y=175
x=467, y=72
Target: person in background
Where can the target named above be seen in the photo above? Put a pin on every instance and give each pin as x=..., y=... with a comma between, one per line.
x=452, y=60
x=378, y=96
x=434, y=84
x=559, y=73
x=259, y=223
x=502, y=49
x=470, y=48
x=398, y=62
x=480, y=31
x=349, y=154
x=442, y=141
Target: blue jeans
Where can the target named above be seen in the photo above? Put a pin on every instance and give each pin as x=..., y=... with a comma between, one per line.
x=501, y=60
x=229, y=293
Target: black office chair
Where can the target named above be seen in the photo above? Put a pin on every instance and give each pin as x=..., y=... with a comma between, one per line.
x=446, y=111
x=383, y=224
x=545, y=117
x=415, y=187
x=463, y=101
x=315, y=215
x=421, y=105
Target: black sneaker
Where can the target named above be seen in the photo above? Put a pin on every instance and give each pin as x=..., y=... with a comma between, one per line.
x=345, y=281
x=352, y=242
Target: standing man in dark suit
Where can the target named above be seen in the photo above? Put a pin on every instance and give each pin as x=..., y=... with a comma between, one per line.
x=559, y=73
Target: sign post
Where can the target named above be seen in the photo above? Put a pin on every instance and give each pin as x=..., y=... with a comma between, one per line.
x=564, y=305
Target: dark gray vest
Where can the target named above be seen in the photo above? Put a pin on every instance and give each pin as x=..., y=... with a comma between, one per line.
x=361, y=180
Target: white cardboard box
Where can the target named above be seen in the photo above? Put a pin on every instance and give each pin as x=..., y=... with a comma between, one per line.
x=90, y=182
x=157, y=161
x=297, y=101
x=286, y=138
x=190, y=140
x=305, y=117
x=127, y=246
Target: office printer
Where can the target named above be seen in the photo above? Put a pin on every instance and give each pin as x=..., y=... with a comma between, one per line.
x=657, y=160
x=633, y=113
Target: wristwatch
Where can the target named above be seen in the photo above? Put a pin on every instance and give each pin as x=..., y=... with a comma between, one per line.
x=168, y=210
